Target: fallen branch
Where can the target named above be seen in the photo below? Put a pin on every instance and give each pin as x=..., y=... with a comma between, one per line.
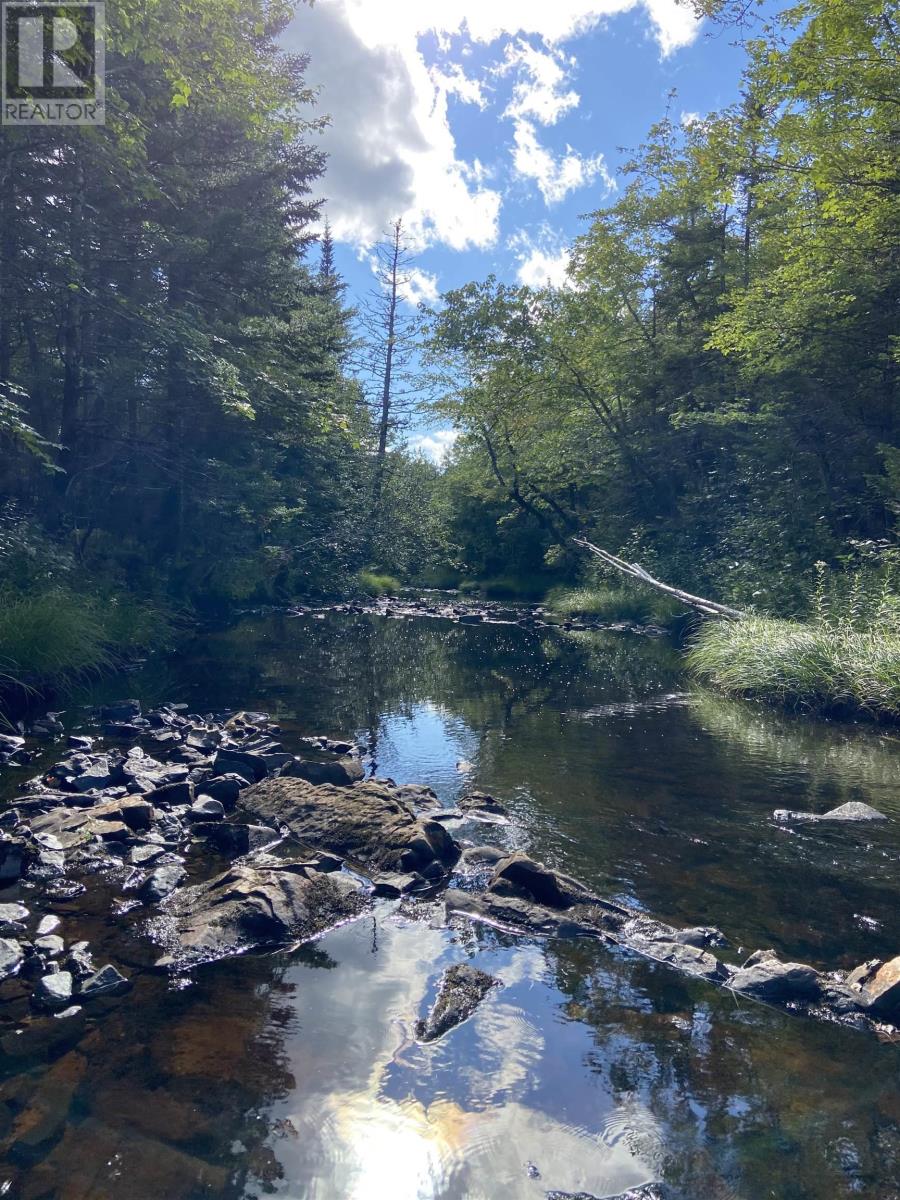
x=708, y=608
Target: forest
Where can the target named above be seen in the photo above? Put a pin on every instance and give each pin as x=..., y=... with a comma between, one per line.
x=194, y=418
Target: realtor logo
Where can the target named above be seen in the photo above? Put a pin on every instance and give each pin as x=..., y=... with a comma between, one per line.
x=52, y=65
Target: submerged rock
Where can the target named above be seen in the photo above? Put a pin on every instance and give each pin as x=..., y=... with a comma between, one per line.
x=367, y=824
x=250, y=906
x=11, y=958
x=519, y=875
x=765, y=977
x=462, y=989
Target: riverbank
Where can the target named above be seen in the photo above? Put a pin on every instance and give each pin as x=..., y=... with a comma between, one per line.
x=827, y=668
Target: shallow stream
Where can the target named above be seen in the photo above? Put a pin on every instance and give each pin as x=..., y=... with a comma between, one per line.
x=593, y=1071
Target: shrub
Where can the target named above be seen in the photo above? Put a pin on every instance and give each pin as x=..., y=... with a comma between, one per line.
x=374, y=584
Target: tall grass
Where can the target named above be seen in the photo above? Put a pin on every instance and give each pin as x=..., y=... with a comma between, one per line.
x=602, y=603
x=58, y=636
x=828, y=664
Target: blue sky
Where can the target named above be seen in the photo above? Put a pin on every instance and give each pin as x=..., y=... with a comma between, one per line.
x=493, y=126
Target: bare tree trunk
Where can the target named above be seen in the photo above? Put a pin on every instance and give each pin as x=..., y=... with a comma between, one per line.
x=708, y=608
x=384, y=423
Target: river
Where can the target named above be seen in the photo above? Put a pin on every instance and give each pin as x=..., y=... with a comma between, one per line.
x=591, y=1070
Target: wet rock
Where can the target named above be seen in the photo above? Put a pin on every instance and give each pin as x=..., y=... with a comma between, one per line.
x=649, y=1191
x=692, y=960
x=161, y=882
x=105, y=982
x=393, y=884
x=120, y=710
x=11, y=958
x=12, y=919
x=224, y=788
x=11, y=743
x=519, y=875
x=239, y=762
x=13, y=855
x=523, y=916
x=80, y=961
x=207, y=809
x=48, y=924
x=484, y=855
x=854, y=810
x=482, y=802
x=146, y=853
x=462, y=989
x=340, y=772
x=765, y=977
x=54, y=991
x=881, y=990
x=250, y=906
x=50, y=945
x=367, y=823
x=235, y=839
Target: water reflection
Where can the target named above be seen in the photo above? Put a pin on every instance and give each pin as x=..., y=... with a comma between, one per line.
x=297, y=1075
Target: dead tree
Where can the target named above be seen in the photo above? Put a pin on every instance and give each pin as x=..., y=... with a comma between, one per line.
x=708, y=608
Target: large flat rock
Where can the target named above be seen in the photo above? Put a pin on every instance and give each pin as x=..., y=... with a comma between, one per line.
x=368, y=824
x=249, y=906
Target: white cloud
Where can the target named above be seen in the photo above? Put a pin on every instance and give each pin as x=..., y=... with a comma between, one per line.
x=538, y=93
x=554, y=175
x=435, y=445
x=420, y=287
x=690, y=118
x=542, y=259
x=391, y=147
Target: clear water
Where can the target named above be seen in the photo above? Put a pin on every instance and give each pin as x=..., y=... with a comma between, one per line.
x=297, y=1075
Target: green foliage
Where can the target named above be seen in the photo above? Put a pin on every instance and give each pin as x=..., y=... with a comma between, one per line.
x=374, y=584
x=719, y=391
x=821, y=666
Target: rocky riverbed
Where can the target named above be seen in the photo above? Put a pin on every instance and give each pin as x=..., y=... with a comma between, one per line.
x=215, y=840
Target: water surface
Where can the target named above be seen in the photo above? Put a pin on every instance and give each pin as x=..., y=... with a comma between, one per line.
x=297, y=1075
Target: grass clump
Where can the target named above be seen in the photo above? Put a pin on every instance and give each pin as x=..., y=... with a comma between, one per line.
x=371, y=583
x=598, y=603
x=825, y=665
x=58, y=636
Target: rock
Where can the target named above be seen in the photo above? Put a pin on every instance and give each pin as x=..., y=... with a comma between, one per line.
x=482, y=802
x=235, y=839
x=519, y=875
x=48, y=924
x=11, y=958
x=462, y=989
x=12, y=858
x=47, y=1112
x=44, y=1035
x=649, y=1191
x=105, y=982
x=854, y=810
x=250, y=906
x=392, y=884
x=340, y=772
x=120, y=710
x=225, y=788
x=50, y=945
x=522, y=916
x=765, y=977
x=417, y=793
x=688, y=958
x=146, y=853
x=12, y=918
x=169, y=794
x=54, y=991
x=881, y=992
x=239, y=762
x=484, y=855
x=367, y=824
x=11, y=743
x=207, y=809
x=161, y=882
